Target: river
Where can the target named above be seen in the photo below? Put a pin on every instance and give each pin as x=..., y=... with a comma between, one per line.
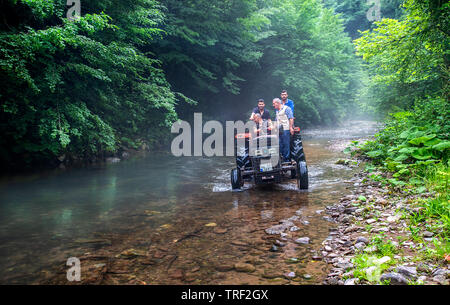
x=159, y=219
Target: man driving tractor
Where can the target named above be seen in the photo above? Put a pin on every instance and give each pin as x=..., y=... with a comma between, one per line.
x=261, y=110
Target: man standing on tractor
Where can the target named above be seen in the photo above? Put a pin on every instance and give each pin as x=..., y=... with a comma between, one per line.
x=261, y=110
x=286, y=101
x=285, y=122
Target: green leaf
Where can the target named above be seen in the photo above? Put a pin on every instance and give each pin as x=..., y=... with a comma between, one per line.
x=421, y=140
x=375, y=153
x=408, y=150
x=442, y=146
x=422, y=154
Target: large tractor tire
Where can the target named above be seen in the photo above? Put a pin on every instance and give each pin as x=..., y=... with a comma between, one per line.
x=302, y=175
x=297, y=153
x=236, y=179
x=243, y=158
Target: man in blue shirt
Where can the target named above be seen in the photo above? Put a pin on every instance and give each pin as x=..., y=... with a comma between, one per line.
x=286, y=101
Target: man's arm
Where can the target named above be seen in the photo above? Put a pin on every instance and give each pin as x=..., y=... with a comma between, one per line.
x=290, y=116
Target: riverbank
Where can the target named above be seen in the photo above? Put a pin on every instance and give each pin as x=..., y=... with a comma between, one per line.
x=376, y=240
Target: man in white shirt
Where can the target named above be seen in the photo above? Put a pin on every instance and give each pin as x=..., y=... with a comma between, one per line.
x=285, y=122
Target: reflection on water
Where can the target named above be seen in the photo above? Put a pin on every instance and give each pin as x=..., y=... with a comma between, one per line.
x=150, y=202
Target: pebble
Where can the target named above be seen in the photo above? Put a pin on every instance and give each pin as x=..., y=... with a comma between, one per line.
x=279, y=243
x=362, y=239
x=360, y=245
x=409, y=272
x=427, y=234
x=421, y=280
x=242, y=267
x=394, y=278
x=294, y=229
x=302, y=240
x=440, y=279
x=353, y=281
x=273, y=248
x=290, y=275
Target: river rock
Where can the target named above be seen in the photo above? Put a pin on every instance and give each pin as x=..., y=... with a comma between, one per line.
x=294, y=229
x=344, y=264
x=350, y=210
x=440, y=271
x=394, y=278
x=289, y=275
x=272, y=274
x=441, y=279
x=362, y=239
x=278, y=229
x=427, y=234
x=218, y=230
x=352, y=281
x=409, y=272
x=302, y=240
x=333, y=280
x=279, y=243
x=243, y=267
x=360, y=246
x=273, y=248
x=224, y=267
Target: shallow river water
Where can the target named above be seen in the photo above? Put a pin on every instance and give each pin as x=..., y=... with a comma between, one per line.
x=164, y=220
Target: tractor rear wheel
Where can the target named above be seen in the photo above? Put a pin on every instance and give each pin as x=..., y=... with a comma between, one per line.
x=302, y=175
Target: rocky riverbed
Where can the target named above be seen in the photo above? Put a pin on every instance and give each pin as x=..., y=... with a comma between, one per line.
x=372, y=242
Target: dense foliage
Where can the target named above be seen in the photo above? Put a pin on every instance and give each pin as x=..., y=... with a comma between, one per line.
x=122, y=73
x=408, y=61
x=408, y=64
x=227, y=54
x=79, y=88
